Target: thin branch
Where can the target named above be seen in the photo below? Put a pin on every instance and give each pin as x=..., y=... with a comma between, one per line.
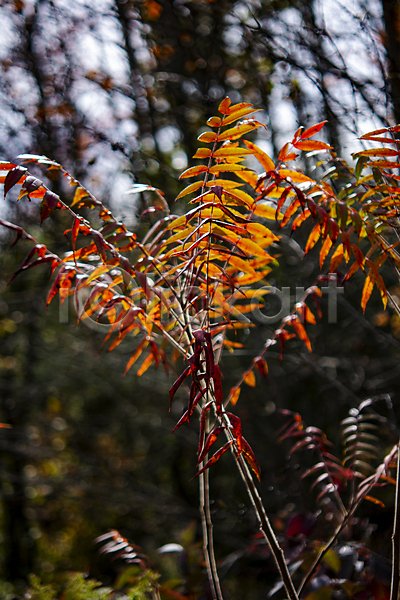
x=394, y=588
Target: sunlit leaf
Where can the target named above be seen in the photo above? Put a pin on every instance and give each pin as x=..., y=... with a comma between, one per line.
x=193, y=171
x=207, y=137
x=236, y=132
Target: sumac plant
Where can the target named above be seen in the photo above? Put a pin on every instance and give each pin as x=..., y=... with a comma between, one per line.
x=185, y=288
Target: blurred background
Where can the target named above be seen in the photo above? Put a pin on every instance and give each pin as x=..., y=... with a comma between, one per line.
x=117, y=91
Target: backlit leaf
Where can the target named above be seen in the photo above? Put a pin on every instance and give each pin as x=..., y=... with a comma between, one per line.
x=214, y=122
x=193, y=171
x=312, y=145
x=224, y=106
x=214, y=458
x=236, y=132
x=234, y=396
x=307, y=133
x=294, y=176
x=261, y=156
x=234, y=115
x=250, y=379
x=267, y=211
x=202, y=153
x=207, y=137
x=193, y=187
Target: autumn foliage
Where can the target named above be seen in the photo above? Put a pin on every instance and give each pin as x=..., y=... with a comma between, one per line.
x=185, y=289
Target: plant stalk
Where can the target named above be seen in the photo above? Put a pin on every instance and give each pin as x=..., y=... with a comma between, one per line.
x=266, y=529
x=394, y=588
x=208, y=542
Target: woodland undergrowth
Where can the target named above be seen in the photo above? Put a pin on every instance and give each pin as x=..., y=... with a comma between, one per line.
x=185, y=292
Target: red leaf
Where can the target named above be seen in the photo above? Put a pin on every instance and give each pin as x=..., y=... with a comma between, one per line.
x=218, y=389
x=307, y=133
x=20, y=232
x=214, y=458
x=12, y=178
x=182, y=420
x=48, y=204
x=100, y=245
x=177, y=384
x=211, y=439
x=237, y=430
x=251, y=459
x=262, y=366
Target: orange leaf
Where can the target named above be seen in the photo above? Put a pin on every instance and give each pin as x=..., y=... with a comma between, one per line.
x=207, y=137
x=313, y=238
x=146, y=364
x=377, y=152
x=312, y=145
x=337, y=258
x=236, y=132
x=237, y=114
x=374, y=500
x=326, y=246
x=250, y=247
x=214, y=122
x=307, y=133
x=224, y=106
x=268, y=212
x=193, y=187
x=367, y=290
x=295, y=176
x=234, y=396
x=202, y=153
x=250, y=379
x=261, y=156
x=193, y=171
x=226, y=168
x=227, y=151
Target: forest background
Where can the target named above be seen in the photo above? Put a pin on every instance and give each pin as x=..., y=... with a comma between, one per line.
x=118, y=92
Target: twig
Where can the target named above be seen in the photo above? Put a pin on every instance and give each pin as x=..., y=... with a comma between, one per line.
x=266, y=529
x=394, y=588
x=208, y=543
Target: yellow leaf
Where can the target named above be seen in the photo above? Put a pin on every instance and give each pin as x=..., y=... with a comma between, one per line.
x=80, y=194
x=337, y=258
x=367, y=290
x=312, y=145
x=225, y=183
x=227, y=151
x=251, y=247
x=193, y=187
x=223, y=168
x=193, y=171
x=236, y=132
x=214, y=122
x=224, y=106
x=261, y=156
x=234, y=396
x=237, y=114
x=268, y=212
x=250, y=379
x=262, y=234
x=377, y=152
x=295, y=176
x=242, y=196
x=241, y=264
x=146, y=364
x=249, y=177
x=313, y=238
x=207, y=137
x=235, y=107
x=202, y=153
x=326, y=246
x=248, y=279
